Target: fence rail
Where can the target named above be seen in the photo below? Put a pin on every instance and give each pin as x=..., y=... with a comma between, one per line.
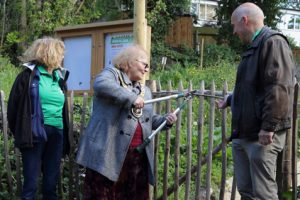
x=185, y=156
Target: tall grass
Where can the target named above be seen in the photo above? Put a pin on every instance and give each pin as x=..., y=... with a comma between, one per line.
x=220, y=73
x=8, y=73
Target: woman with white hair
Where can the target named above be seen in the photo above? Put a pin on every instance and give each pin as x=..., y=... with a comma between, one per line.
x=115, y=171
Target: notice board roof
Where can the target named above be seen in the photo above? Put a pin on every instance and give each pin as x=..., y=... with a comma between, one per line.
x=94, y=25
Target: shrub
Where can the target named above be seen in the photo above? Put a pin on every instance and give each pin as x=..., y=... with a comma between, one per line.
x=213, y=55
x=216, y=54
x=8, y=73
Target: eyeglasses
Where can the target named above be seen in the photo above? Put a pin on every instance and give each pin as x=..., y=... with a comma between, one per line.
x=145, y=64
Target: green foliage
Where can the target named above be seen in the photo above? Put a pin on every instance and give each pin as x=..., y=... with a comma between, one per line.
x=292, y=42
x=291, y=4
x=214, y=54
x=8, y=73
x=219, y=73
x=160, y=13
x=45, y=18
x=225, y=9
x=183, y=55
x=11, y=47
x=113, y=10
x=41, y=18
x=4, y=191
x=161, y=24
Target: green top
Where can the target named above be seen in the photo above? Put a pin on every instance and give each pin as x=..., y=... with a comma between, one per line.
x=52, y=98
x=256, y=34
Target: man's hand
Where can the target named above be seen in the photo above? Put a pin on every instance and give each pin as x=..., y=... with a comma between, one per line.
x=265, y=137
x=221, y=104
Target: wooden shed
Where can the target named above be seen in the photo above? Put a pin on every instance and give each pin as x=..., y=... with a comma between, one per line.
x=183, y=32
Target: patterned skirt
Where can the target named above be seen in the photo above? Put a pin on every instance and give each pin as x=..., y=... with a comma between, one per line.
x=131, y=185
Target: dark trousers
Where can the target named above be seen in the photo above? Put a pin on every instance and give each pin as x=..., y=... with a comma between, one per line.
x=43, y=157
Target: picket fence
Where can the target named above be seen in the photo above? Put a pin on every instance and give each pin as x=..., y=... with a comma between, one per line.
x=188, y=149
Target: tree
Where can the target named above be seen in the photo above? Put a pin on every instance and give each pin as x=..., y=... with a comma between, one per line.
x=292, y=4
x=160, y=13
x=26, y=20
x=3, y=21
x=226, y=7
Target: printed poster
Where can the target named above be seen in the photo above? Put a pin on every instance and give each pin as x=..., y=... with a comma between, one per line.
x=114, y=43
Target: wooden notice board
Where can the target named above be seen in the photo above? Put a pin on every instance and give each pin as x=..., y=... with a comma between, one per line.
x=91, y=47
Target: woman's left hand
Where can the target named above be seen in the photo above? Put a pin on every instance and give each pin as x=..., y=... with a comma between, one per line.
x=171, y=118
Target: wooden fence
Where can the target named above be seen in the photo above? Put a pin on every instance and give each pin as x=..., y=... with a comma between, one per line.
x=181, y=32
x=190, y=149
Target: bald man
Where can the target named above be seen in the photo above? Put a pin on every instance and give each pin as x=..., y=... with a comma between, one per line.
x=261, y=103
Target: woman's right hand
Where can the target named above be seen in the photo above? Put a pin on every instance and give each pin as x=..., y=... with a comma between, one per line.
x=139, y=102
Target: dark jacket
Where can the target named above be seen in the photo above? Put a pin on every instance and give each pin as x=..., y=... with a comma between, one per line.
x=263, y=93
x=22, y=111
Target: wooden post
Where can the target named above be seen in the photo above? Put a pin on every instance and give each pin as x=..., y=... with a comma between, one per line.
x=6, y=147
x=189, y=146
x=210, y=141
x=202, y=51
x=156, y=147
x=71, y=139
x=224, y=147
x=233, y=189
x=167, y=151
x=78, y=188
x=287, y=163
x=294, y=142
x=18, y=171
x=139, y=28
x=177, y=146
x=200, y=140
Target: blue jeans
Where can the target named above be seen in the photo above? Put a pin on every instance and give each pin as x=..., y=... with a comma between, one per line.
x=43, y=157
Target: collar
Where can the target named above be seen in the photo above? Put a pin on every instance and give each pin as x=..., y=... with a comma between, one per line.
x=126, y=79
x=43, y=71
x=255, y=43
x=29, y=65
x=61, y=72
x=256, y=34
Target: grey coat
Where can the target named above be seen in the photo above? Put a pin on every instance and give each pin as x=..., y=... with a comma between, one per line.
x=105, y=142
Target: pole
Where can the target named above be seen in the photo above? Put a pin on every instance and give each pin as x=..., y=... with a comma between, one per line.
x=139, y=26
x=202, y=50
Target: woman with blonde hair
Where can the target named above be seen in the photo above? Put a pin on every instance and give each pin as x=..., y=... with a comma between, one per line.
x=115, y=171
x=38, y=115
